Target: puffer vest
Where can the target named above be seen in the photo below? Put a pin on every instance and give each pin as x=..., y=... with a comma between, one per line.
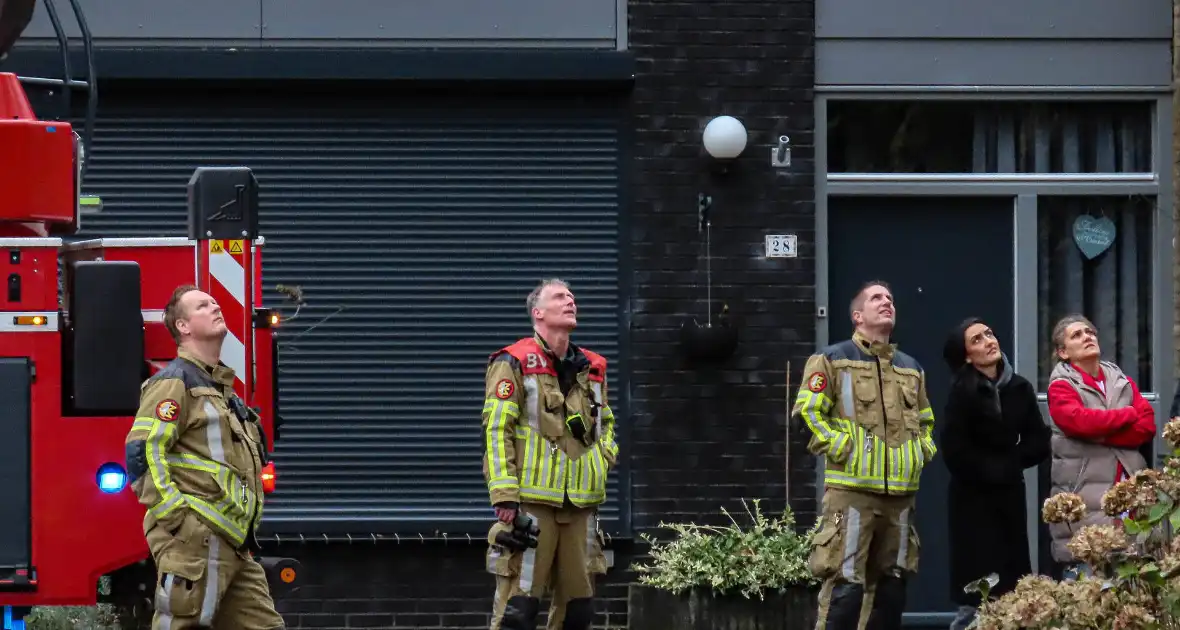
x=1085, y=468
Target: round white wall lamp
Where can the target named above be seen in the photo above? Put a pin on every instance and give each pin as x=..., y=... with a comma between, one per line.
x=725, y=137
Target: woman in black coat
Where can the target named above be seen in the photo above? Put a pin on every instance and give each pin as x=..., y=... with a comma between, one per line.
x=992, y=430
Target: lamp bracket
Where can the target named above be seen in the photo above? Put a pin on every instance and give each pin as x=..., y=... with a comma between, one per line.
x=780, y=154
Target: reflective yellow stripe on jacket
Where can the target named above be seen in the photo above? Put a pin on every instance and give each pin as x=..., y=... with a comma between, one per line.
x=547, y=473
x=160, y=436
x=814, y=408
x=501, y=470
x=230, y=513
x=870, y=464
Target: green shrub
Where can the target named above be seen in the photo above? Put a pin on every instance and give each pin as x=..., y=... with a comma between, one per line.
x=100, y=617
x=768, y=556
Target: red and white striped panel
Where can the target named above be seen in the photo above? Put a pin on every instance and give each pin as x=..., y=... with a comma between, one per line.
x=224, y=276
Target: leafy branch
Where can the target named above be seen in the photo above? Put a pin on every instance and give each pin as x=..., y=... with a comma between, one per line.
x=768, y=555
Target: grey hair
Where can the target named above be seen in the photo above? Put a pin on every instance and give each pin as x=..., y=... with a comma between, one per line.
x=1057, y=339
x=535, y=294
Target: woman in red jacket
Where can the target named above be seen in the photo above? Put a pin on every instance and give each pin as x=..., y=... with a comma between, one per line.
x=1100, y=420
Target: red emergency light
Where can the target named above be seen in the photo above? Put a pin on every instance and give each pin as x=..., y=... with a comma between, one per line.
x=268, y=478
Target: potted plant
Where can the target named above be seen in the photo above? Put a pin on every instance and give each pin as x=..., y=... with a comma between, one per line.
x=1136, y=566
x=710, y=577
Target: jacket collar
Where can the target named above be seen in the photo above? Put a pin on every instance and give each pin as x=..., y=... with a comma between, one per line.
x=573, y=355
x=570, y=352
x=221, y=372
x=880, y=349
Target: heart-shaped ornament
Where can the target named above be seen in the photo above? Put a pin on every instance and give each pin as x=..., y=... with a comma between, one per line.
x=1093, y=235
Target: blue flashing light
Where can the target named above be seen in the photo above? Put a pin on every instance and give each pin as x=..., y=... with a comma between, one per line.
x=111, y=478
x=51, y=129
x=10, y=623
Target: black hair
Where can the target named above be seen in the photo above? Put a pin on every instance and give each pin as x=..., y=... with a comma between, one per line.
x=954, y=351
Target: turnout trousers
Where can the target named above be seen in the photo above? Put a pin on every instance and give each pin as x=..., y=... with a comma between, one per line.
x=561, y=563
x=596, y=565
x=865, y=550
x=203, y=582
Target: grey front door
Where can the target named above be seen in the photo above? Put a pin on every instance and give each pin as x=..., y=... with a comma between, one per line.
x=945, y=259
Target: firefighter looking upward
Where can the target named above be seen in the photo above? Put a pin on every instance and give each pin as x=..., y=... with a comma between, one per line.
x=550, y=443
x=194, y=455
x=866, y=406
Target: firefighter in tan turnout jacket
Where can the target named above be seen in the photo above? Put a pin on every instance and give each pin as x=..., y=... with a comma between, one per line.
x=550, y=443
x=866, y=406
x=194, y=455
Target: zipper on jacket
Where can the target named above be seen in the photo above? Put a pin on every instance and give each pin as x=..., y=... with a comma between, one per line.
x=885, y=426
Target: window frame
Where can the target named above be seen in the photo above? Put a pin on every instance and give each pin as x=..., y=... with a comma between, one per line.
x=1024, y=189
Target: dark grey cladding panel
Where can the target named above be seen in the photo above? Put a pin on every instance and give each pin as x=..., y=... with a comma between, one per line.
x=367, y=23
x=996, y=19
x=1118, y=63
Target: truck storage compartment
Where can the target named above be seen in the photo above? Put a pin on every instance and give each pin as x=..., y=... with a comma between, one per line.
x=16, y=539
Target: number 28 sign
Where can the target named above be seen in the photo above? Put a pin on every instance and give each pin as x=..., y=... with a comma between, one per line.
x=782, y=246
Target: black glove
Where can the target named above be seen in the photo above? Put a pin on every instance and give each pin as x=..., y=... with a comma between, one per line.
x=526, y=526
x=522, y=535
x=515, y=541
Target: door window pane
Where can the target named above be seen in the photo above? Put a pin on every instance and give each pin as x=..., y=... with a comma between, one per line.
x=922, y=136
x=1111, y=287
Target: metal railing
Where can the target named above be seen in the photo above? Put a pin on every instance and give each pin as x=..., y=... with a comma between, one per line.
x=68, y=83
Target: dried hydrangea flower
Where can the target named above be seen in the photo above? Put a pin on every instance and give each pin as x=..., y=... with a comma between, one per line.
x=1136, y=493
x=1133, y=617
x=1033, y=602
x=1066, y=507
x=1088, y=603
x=1084, y=604
x=1119, y=499
x=1172, y=433
x=988, y=622
x=1094, y=544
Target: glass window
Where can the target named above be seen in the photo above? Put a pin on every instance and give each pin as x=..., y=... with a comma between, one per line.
x=1094, y=257
x=996, y=137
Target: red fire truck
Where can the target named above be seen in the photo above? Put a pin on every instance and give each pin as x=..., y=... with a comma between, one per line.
x=81, y=327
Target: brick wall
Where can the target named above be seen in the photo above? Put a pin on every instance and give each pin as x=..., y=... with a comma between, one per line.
x=700, y=437
x=706, y=437
x=406, y=586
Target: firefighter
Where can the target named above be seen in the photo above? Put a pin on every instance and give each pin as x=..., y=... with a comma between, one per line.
x=194, y=455
x=865, y=404
x=550, y=443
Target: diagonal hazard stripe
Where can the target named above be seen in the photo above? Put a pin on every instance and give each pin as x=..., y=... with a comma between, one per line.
x=233, y=354
x=226, y=270
x=233, y=311
x=228, y=286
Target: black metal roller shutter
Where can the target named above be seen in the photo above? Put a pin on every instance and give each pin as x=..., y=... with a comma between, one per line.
x=427, y=222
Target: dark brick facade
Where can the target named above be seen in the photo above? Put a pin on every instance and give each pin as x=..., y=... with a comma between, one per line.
x=700, y=438
x=707, y=437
